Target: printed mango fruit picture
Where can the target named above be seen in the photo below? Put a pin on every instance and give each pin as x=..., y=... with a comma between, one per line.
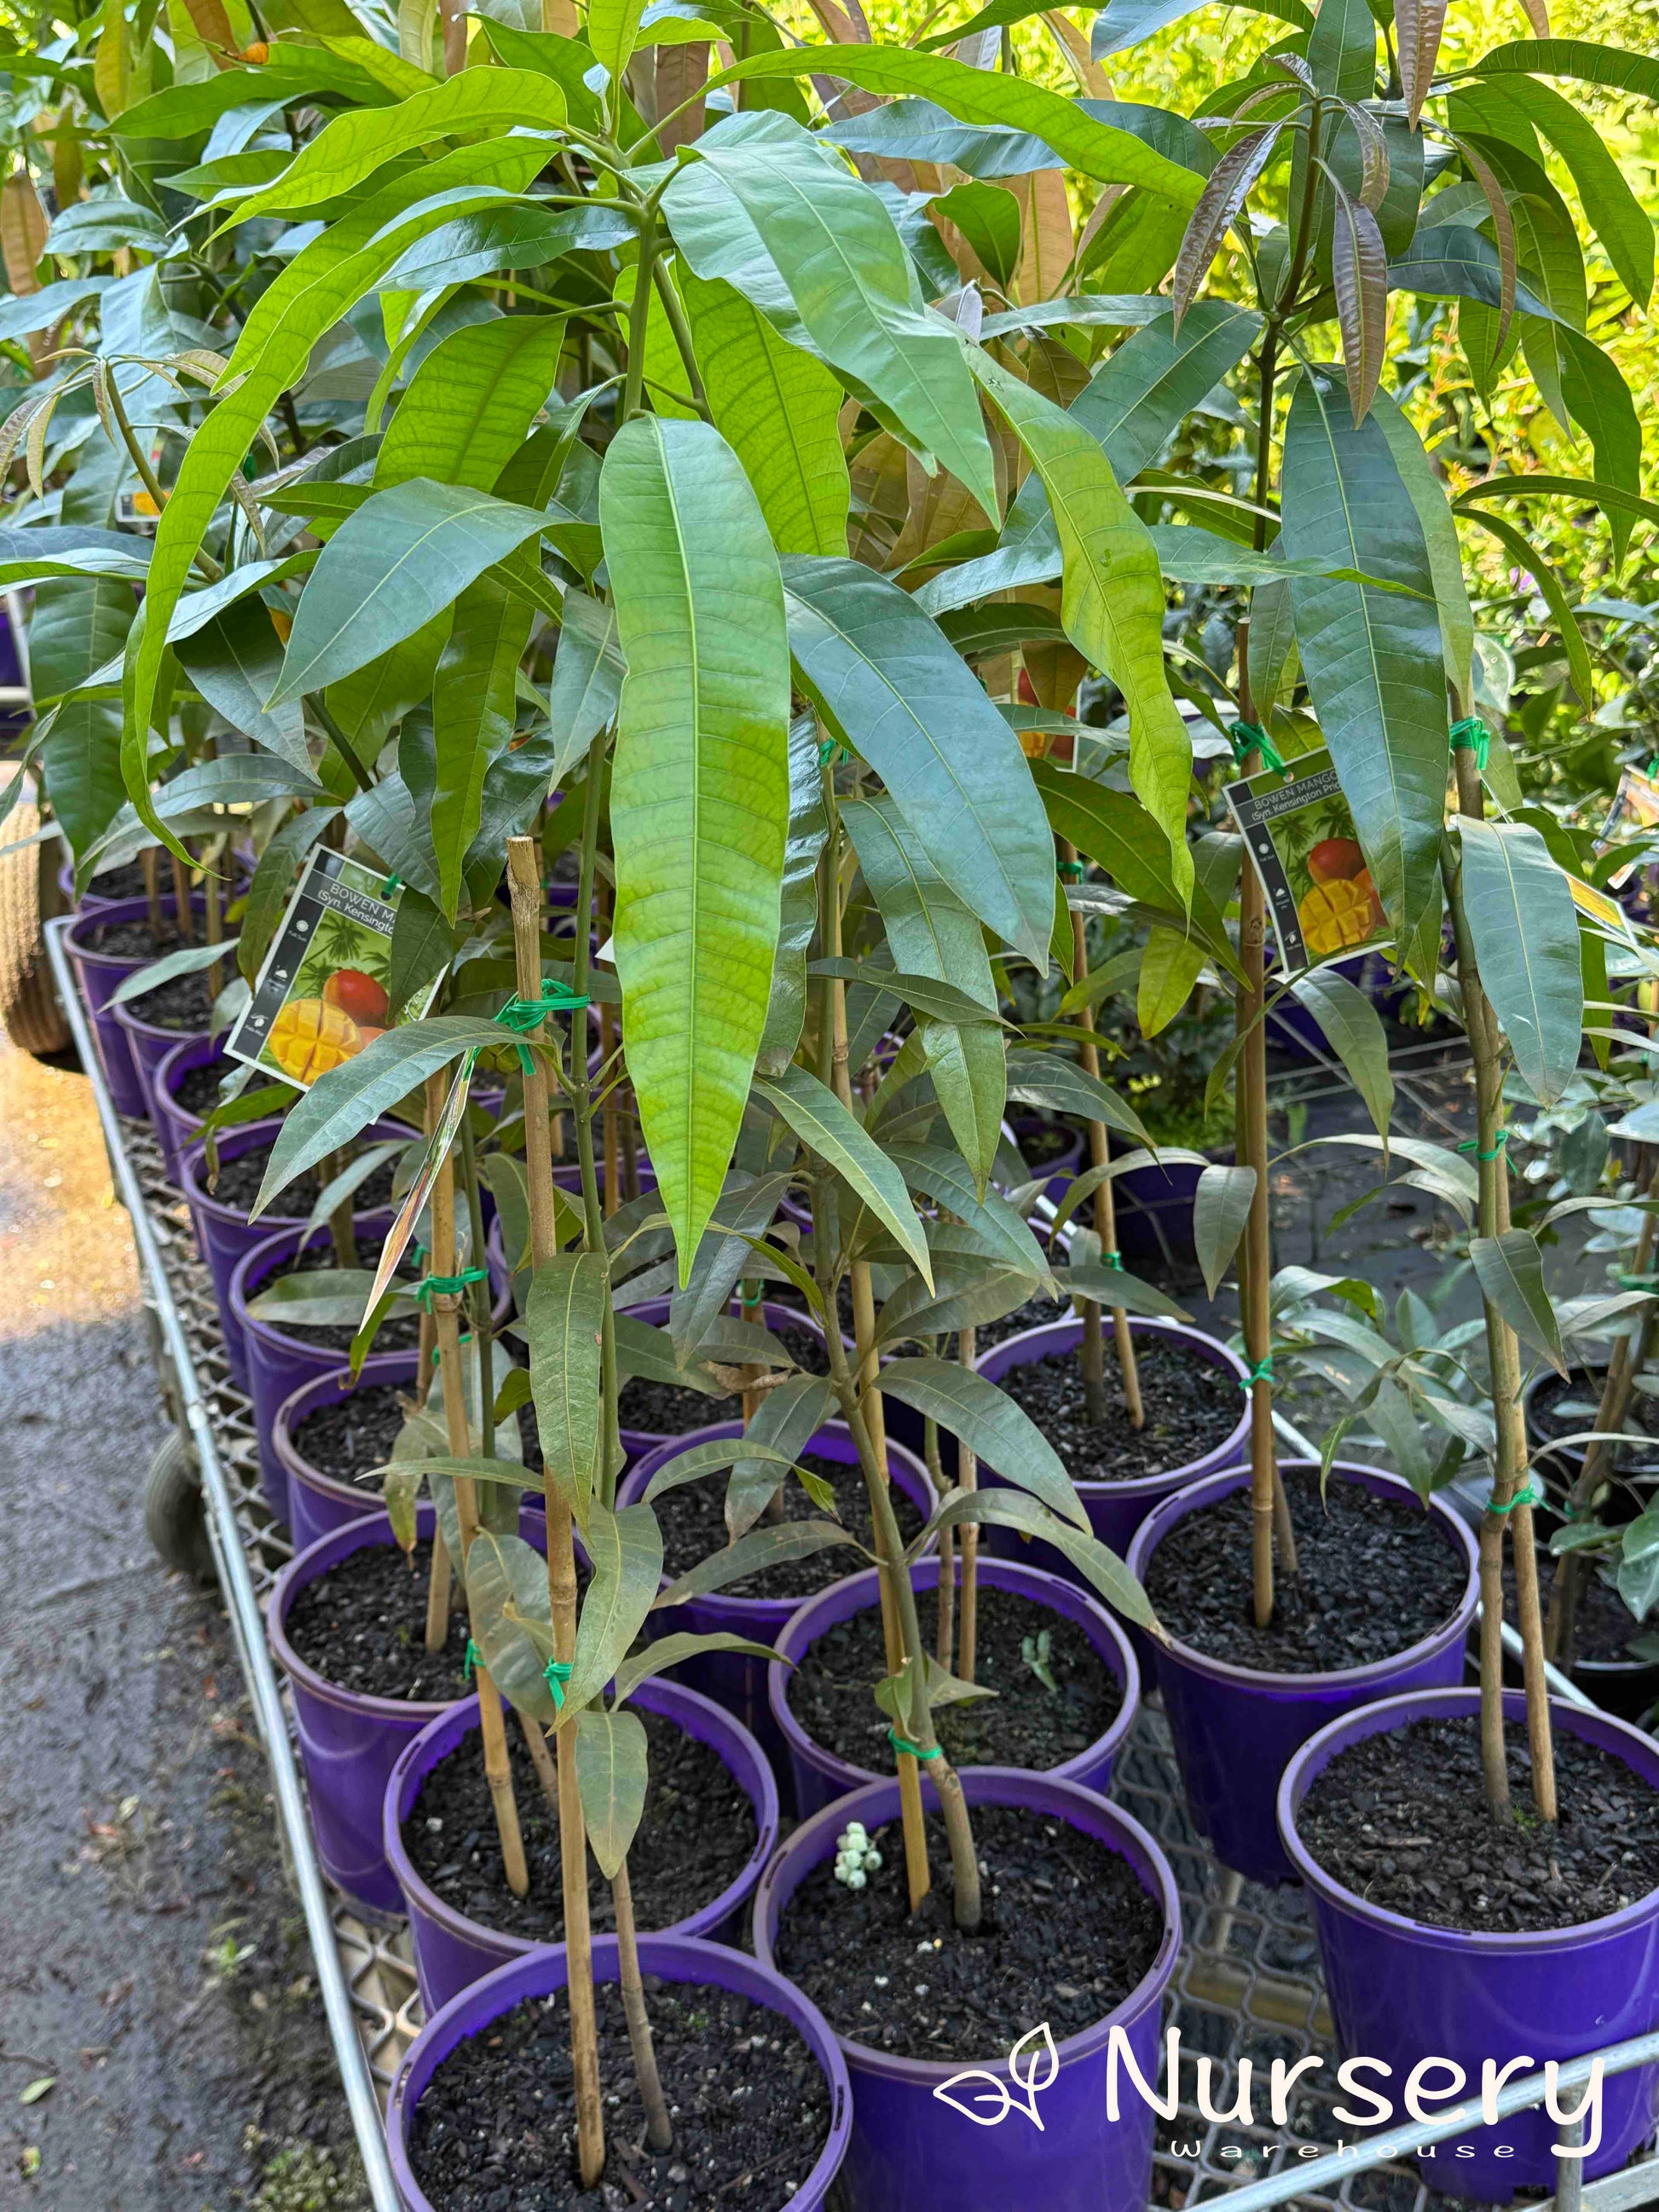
x=312, y=1035
x=1341, y=907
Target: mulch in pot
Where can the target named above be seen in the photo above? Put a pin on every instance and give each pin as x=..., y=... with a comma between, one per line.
x=347, y=1437
x=126, y=881
x=1026, y=1724
x=363, y=1626
x=182, y=1003
x=136, y=940
x=240, y=1176
x=1548, y=1408
x=400, y=1333
x=695, y=1837
x=1402, y=1819
x=1067, y=1932
x=1036, y=1313
x=495, y=2127
x=1191, y=1406
x=1376, y=1575
x=693, y=1522
x=1603, y=1624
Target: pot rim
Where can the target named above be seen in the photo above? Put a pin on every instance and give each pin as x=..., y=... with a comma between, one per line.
x=1035, y=1583
x=267, y=1332
x=518, y=1980
x=986, y=1785
x=1142, y=1485
x=355, y=1536
x=1158, y=1523
x=139, y=1027
x=298, y=1466
x=1426, y=1704
x=167, y=1105
x=656, y=1694
x=769, y=1610
x=194, y=1154
x=109, y=916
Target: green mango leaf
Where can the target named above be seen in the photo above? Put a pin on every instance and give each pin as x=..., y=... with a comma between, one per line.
x=747, y=1207
x=1373, y=661
x=1525, y=928
x=612, y=1761
x=33, y=311
x=1012, y=1509
x=508, y=1614
x=1428, y=496
x=1125, y=23
x=919, y=130
x=778, y=409
x=1117, y=1287
x=1509, y=1269
x=474, y=703
x=564, y=1320
x=699, y=793
x=470, y=402
x=1638, y=1564
x=940, y=1174
x=1169, y=967
x=325, y=1298
x=784, y=1424
x=75, y=628
x=1112, y=598
x=626, y=1550
x=753, y=1553
x=889, y=680
x=664, y=1652
x=1220, y=1210
x=289, y=72
x=1045, y=1079
x=824, y=1124
x=527, y=236
x=1353, y=1030
x=644, y=1351
x=587, y=676
x=353, y=147
x=997, y=1430
x=188, y=960
x=235, y=662
x=786, y=1010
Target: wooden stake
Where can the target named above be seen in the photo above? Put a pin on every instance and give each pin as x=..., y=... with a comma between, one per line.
x=542, y=1759
x=1105, y=1205
x=148, y=861
x=438, y=1573
x=968, y=1479
x=216, y=929
x=181, y=901
x=523, y=876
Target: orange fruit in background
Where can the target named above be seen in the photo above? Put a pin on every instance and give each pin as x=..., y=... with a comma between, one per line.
x=258, y=52
x=1336, y=860
x=356, y=994
x=309, y=1036
x=1340, y=913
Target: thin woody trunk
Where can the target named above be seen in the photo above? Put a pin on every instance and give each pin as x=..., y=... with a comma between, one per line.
x=438, y=1574
x=1506, y=1504
x=215, y=929
x=659, y=2128
x=525, y=879
x=946, y=1628
x=149, y=863
x=968, y=1479
x=181, y=909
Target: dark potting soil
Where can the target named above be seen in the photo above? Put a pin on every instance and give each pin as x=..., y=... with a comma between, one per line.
x=1583, y=1388
x=239, y=1179
x=183, y=1003
x=1049, y=1141
x=695, y=1837
x=352, y=1434
x=1036, y=1313
x=1402, y=1819
x=1066, y=1933
x=1191, y=1406
x=495, y=2127
x=136, y=940
x=122, y=883
x=197, y=1089
x=1028, y=1724
x=363, y=1626
x=400, y=1333
x=663, y=1409
x=1603, y=1624
x=1377, y=1575
x=693, y=1522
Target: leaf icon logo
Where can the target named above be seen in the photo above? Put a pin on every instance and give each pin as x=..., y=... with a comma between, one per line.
x=1040, y=2069
x=994, y=2088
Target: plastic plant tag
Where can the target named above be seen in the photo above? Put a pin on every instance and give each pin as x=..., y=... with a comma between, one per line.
x=1299, y=832
x=1633, y=815
x=321, y=994
x=437, y=1151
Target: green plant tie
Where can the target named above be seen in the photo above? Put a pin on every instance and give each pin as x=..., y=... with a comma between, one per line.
x=1261, y=1372
x=832, y=754
x=556, y=1673
x=474, y=1658
x=746, y=1301
x=1473, y=1144
x=1472, y=735
x=1652, y=769
x=390, y=884
x=903, y=1743
x=1071, y=871
x=1251, y=736
x=1638, y=1282
x=1530, y=1495
x=465, y=1338
x=447, y=1286
x=521, y=1015
x=1112, y=1259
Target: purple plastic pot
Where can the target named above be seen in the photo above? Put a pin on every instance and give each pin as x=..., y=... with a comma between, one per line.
x=99, y=975
x=821, y=1778
x=1062, y=1167
x=112, y=886
x=1115, y=1510
x=1293, y=1031
x=637, y=1442
x=349, y=1742
x=910, y=2150
x=1234, y=1729
x=733, y=1678
x=674, y=1959
x=452, y=1951
x=177, y=1127
x=1400, y=1990
x=1154, y=1208
x=279, y=1361
x=318, y=1503
x=150, y=1045
x=224, y=1235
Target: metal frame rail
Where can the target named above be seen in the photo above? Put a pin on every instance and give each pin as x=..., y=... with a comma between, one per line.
x=1248, y=1978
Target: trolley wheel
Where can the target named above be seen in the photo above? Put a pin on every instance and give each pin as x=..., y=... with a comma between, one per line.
x=175, y=1519
x=29, y=1009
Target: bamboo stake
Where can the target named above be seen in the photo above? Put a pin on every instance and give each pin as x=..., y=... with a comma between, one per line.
x=147, y=862
x=181, y=901
x=542, y=1759
x=968, y=1479
x=498, y=1770
x=526, y=883
x=438, y=1575
x=1105, y=1215
x=215, y=929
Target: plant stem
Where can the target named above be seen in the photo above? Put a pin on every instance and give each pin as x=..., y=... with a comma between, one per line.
x=481, y=1328
x=968, y=1479
x=215, y=929
x=148, y=862
x=204, y=560
x=1105, y=1219
x=524, y=875
x=498, y=1771
x=1504, y=1358
x=182, y=915
x=659, y=2128
x=342, y=1223
x=945, y=1632
x=438, y=1575
x=638, y=323
x=610, y=1135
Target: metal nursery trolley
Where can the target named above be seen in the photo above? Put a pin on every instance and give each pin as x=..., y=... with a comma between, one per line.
x=1248, y=1983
